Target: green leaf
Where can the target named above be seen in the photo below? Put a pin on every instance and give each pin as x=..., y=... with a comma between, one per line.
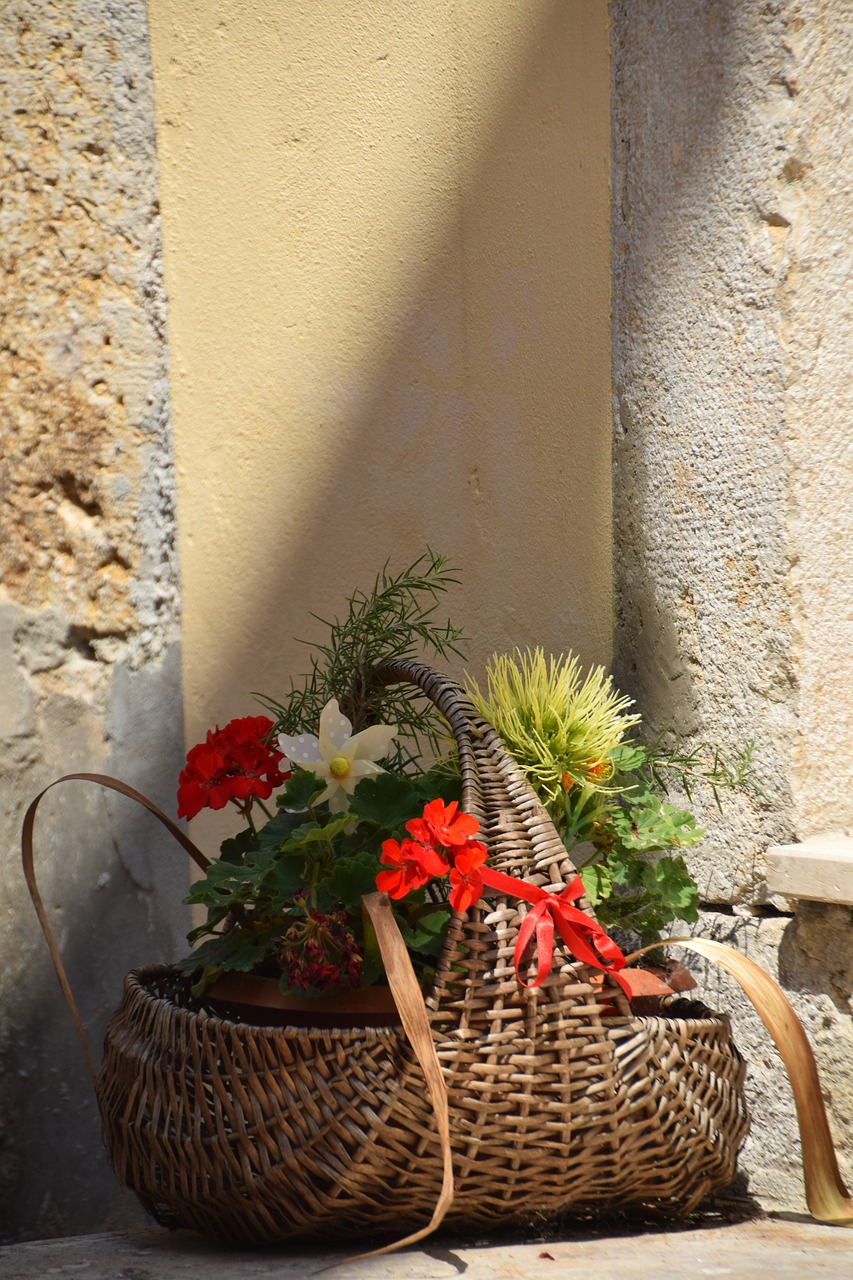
x=628, y=757
x=372, y=970
x=285, y=878
x=426, y=934
x=597, y=882
x=353, y=876
x=313, y=833
x=669, y=881
x=440, y=783
x=214, y=917
x=625, y=867
x=234, y=849
x=683, y=823
x=278, y=830
x=386, y=800
x=301, y=788
x=235, y=951
x=222, y=882
x=256, y=864
x=652, y=825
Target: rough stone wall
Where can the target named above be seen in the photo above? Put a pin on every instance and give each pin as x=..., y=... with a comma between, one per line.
x=732, y=505
x=89, y=659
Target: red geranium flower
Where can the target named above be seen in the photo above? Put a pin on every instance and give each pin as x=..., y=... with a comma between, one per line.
x=441, y=826
x=465, y=877
x=414, y=866
x=234, y=764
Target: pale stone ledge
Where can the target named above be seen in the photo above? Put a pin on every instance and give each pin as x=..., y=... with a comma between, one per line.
x=820, y=870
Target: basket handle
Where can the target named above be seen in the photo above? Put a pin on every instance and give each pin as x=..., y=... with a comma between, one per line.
x=826, y=1195
x=409, y=1000
x=27, y=858
x=490, y=776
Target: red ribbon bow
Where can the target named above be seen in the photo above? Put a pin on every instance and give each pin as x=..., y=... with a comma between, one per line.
x=576, y=928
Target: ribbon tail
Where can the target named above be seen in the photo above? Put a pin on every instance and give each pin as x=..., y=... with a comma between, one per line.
x=580, y=948
x=604, y=945
x=525, y=933
x=544, y=927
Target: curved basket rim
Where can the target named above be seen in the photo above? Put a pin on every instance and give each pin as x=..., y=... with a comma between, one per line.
x=705, y=1018
x=140, y=976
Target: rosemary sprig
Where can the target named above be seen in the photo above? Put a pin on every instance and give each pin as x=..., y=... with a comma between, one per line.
x=393, y=621
x=702, y=764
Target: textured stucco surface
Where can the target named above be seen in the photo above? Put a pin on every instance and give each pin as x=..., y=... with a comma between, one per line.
x=89, y=660
x=732, y=215
x=704, y=634
x=387, y=256
x=732, y=332
x=815, y=196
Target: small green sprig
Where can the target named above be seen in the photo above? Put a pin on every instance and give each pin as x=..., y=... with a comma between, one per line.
x=703, y=764
x=395, y=620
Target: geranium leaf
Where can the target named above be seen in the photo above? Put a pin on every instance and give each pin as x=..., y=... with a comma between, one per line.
x=669, y=881
x=353, y=876
x=278, y=830
x=627, y=757
x=386, y=800
x=597, y=882
x=425, y=935
x=235, y=951
x=222, y=882
x=438, y=784
x=285, y=878
x=311, y=833
x=625, y=869
x=300, y=789
x=234, y=849
x=389, y=800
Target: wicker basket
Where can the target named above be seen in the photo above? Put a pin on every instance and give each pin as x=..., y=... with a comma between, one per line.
x=560, y=1100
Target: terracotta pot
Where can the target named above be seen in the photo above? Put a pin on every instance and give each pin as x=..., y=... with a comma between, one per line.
x=650, y=985
x=244, y=997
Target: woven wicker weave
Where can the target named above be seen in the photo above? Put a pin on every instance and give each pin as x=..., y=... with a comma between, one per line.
x=558, y=1102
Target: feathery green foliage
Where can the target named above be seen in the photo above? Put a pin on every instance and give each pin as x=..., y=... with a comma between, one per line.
x=394, y=620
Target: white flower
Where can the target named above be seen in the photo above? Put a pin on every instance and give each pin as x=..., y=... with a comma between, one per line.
x=339, y=756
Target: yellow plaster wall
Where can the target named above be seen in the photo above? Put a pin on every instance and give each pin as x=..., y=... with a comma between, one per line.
x=387, y=260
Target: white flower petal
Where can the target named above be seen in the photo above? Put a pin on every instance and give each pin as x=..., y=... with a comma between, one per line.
x=362, y=768
x=336, y=794
x=328, y=793
x=302, y=750
x=335, y=731
x=372, y=743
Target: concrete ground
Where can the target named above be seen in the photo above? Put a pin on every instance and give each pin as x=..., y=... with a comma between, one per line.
x=785, y=1247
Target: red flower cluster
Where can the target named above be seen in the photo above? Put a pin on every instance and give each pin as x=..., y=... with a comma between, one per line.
x=233, y=763
x=441, y=845
x=320, y=952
